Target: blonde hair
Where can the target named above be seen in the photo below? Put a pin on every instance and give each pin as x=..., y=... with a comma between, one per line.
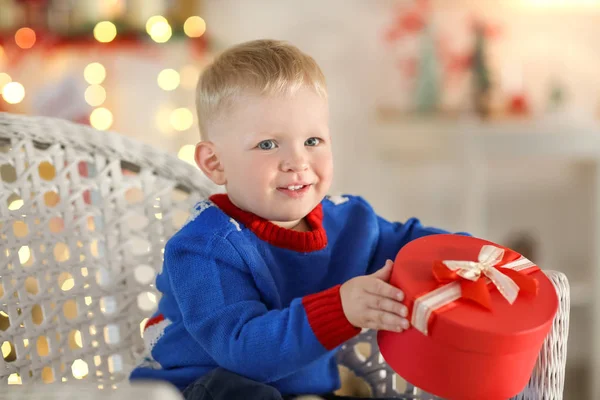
x=264, y=67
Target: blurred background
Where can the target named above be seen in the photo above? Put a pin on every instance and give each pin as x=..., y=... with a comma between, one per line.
x=479, y=116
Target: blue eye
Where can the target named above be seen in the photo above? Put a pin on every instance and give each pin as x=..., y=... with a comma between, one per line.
x=267, y=145
x=313, y=141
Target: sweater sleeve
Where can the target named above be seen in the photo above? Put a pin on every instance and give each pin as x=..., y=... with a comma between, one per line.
x=392, y=236
x=222, y=309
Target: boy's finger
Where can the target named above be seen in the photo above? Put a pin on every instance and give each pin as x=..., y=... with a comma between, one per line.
x=381, y=288
x=386, y=304
x=391, y=328
x=385, y=272
x=382, y=318
x=402, y=326
x=404, y=323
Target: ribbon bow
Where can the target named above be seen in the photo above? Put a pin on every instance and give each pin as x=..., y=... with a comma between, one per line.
x=472, y=275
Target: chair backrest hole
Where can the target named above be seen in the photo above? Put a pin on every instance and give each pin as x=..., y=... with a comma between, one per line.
x=8, y=351
x=363, y=350
x=56, y=225
x=111, y=334
x=70, y=309
x=108, y=305
x=75, y=340
x=48, y=375
x=66, y=281
x=51, y=199
x=134, y=195
x=43, y=348
x=79, y=369
x=115, y=363
x=147, y=301
x=137, y=221
x=31, y=285
x=144, y=274
x=143, y=326
x=25, y=256
x=37, y=314
x=61, y=252
x=139, y=246
x=20, y=229
x=8, y=173
x=47, y=171
x=4, y=320
x=14, y=202
x=14, y=379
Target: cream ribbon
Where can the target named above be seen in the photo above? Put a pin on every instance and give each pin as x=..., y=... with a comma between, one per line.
x=489, y=256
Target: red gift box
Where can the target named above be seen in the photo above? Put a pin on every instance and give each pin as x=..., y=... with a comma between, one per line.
x=479, y=313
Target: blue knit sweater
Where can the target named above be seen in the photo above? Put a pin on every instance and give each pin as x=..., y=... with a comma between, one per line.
x=263, y=301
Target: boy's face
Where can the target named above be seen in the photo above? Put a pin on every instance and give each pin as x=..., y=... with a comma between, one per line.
x=275, y=152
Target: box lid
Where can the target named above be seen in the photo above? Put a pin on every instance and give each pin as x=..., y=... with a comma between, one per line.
x=504, y=328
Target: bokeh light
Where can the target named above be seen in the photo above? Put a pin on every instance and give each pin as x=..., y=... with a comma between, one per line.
x=13, y=92
x=186, y=153
x=101, y=118
x=4, y=79
x=95, y=95
x=181, y=119
x=194, y=27
x=25, y=38
x=94, y=73
x=105, y=31
x=154, y=20
x=160, y=31
x=168, y=79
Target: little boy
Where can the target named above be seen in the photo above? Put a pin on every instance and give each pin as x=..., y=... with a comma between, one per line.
x=263, y=283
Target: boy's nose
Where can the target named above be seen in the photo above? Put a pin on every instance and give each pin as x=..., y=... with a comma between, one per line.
x=295, y=162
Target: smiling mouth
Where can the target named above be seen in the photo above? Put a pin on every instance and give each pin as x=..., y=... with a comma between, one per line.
x=294, y=187
x=294, y=190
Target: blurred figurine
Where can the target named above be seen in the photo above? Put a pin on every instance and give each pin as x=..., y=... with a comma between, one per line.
x=481, y=74
x=428, y=79
x=556, y=98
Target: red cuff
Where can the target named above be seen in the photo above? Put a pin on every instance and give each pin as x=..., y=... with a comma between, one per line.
x=327, y=319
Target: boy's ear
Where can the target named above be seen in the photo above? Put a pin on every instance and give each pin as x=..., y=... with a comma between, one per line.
x=208, y=161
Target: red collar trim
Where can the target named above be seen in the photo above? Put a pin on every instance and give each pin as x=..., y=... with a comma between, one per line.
x=315, y=239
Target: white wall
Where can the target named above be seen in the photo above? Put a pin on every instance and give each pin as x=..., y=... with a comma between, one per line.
x=548, y=198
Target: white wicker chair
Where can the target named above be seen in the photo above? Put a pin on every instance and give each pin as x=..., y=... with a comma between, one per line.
x=84, y=216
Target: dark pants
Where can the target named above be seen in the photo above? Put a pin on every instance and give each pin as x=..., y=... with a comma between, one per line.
x=221, y=384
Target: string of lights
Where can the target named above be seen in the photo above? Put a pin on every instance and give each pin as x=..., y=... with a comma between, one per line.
x=157, y=29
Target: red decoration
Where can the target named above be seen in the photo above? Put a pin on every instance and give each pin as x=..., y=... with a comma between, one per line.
x=412, y=22
x=468, y=352
x=518, y=105
x=479, y=291
x=408, y=23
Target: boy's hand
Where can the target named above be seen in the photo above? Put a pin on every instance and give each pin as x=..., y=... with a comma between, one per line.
x=370, y=302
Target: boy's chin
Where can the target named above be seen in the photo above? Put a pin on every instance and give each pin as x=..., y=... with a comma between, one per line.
x=286, y=219
x=295, y=214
